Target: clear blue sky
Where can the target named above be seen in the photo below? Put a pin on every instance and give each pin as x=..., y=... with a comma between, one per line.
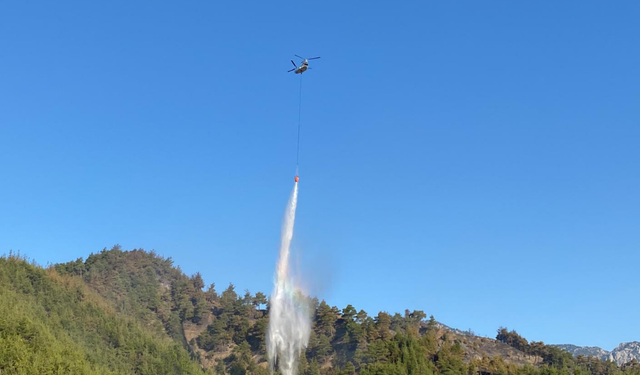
x=475, y=160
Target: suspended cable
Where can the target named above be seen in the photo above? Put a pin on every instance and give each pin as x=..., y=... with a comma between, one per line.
x=299, y=118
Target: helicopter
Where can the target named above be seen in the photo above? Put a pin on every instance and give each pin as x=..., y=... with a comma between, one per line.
x=304, y=65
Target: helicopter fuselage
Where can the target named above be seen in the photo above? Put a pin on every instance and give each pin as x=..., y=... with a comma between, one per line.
x=304, y=65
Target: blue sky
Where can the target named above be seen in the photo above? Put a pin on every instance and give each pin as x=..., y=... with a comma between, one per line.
x=475, y=160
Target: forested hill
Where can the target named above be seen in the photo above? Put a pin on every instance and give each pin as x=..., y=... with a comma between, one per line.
x=53, y=323
x=134, y=312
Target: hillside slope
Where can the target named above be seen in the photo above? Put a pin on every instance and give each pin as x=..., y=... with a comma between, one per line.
x=53, y=324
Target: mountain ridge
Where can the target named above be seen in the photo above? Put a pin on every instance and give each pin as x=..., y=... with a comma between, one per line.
x=624, y=353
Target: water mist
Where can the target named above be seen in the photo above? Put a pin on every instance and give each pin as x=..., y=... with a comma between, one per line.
x=289, y=310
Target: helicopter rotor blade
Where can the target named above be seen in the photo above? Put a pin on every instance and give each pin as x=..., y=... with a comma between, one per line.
x=299, y=56
x=294, y=64
x=313, y=58
x=289, y=71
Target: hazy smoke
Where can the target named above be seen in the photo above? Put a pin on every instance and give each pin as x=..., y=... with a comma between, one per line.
x=289, y=312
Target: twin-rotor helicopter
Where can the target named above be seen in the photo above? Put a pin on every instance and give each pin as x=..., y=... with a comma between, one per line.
x=304, y=65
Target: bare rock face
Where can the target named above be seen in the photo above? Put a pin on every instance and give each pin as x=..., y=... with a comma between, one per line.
x=585, y=350
x=625, y=352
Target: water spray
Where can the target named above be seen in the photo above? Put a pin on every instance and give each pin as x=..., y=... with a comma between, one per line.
x=289, y=312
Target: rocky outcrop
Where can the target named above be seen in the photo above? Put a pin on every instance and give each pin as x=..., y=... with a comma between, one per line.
x=625, y=352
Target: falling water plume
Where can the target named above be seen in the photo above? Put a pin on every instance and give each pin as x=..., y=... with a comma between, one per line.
x=289, y=312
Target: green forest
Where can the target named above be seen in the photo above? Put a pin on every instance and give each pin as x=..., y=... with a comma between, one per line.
x=134, y=312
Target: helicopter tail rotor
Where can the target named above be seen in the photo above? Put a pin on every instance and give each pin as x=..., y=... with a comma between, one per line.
x=294, y=64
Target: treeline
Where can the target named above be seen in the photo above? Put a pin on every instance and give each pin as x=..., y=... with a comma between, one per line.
x=133, y=312
x=349, y=341
x=342, y=342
